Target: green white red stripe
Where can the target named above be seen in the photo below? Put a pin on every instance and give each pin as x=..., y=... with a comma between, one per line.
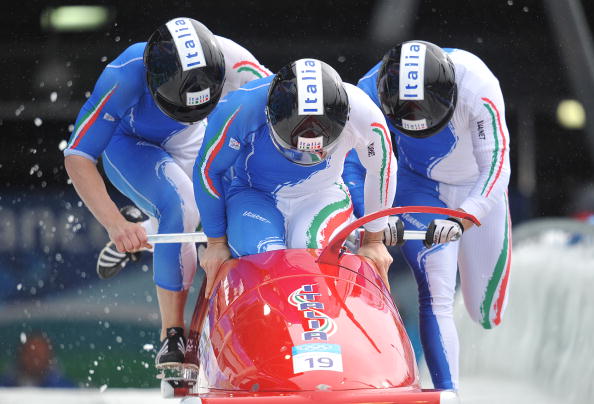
x=328, y=220
x=254, y=68
x=213, y=147
x=89, y=119
x=498, y=283
x=499, y=151
x=380, y=130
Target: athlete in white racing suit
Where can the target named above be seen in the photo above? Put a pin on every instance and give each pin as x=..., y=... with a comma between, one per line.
x=446, y=113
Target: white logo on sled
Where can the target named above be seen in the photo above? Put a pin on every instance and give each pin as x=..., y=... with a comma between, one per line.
x=198, y=97
x=412, y=69
x=421, y=124
x=317, y=356
x=310, y=92
x=187, y=43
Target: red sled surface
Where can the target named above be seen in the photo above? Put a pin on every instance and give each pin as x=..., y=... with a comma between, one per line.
x=288, y=326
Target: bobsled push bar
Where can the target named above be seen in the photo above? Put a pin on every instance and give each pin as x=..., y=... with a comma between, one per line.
x=200, y=237
x=331, y=252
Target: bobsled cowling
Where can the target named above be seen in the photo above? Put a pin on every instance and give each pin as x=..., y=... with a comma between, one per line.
x=287, y=325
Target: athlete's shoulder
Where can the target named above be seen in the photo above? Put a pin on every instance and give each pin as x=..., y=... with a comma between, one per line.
x=371, y=75
x=240, y=63
x=229, y=46
x=363, y=111
x=368, y=82
x=128, y=68
x=359, y=100
x=247, y=104
x=255, y=91
x=130, y=59
x=470, y=69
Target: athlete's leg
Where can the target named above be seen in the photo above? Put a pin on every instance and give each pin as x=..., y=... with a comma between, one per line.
x=183, y=147
x=159, y=186
x=311, y=221
x=484, y=261
x=434, y=270
x=254, y=224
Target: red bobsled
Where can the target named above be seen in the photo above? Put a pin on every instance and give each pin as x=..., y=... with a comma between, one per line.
x=302, y=326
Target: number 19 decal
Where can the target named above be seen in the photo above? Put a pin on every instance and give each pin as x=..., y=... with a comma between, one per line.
x=316, y=356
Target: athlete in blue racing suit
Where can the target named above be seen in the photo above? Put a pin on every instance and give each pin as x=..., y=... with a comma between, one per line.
x=146, y=119
x=286, y=140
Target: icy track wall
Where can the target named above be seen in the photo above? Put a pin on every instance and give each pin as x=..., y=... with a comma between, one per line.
x=546, y=338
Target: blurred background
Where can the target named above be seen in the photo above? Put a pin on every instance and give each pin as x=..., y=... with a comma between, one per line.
x=99, y=334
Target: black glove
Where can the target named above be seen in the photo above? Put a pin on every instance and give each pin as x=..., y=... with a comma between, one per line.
x=443, y=231
x=394, y=233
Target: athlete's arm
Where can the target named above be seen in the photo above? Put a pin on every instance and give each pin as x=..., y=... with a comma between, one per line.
x=490, y=139
x=90, y=186
x=380, y=186
x=217, y=251
x=374, y=149
x=100, y=115
x=220, y=148
x=377, y=157
x=353, y=176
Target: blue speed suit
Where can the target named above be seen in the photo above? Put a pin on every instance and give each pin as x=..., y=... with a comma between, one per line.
x=149, y=156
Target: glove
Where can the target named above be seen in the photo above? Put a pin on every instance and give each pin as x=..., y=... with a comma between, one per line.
x=394, y=233
x=443, y=231
x=354, y=240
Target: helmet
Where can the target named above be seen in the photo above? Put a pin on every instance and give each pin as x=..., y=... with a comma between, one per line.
x=416, y=85
x=185, y=69
x=307, y=109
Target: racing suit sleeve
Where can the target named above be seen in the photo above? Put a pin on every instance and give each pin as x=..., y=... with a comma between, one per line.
x=119, y=86
x=220, y=149
x=353, y=176
x=241, y=66
x=374, y=150
x=490, y=140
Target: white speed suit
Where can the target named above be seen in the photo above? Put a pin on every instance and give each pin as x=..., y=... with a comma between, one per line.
x=465, y=165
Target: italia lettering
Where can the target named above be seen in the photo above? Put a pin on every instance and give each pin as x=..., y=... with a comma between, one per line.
x=309, y=296
x=308, y=336
x=192, y=57
x=310, y=88
x=311, y=314
x=412, y=63
x=312, y=311
x=311, y=305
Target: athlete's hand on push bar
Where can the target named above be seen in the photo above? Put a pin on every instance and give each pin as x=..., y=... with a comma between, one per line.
x=442, y=231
